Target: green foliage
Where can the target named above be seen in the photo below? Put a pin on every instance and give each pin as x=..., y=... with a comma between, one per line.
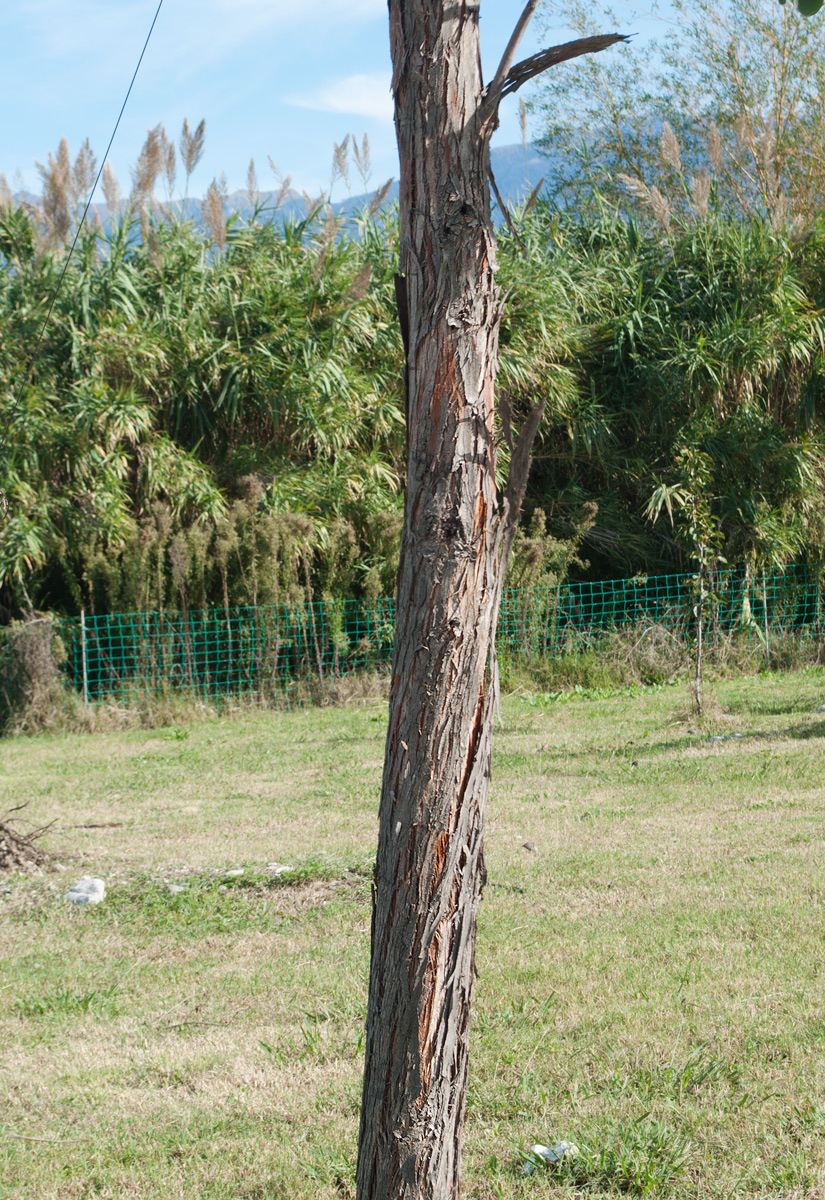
x=198, y=426
x=638, y=1157
x=68, y=1002
x=215, y=419
x=698, y=375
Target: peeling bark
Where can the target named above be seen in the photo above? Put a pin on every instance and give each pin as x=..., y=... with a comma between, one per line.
x=457, y=535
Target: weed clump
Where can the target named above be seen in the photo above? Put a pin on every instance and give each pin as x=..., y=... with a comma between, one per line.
x=637, y=1157
x=33, y=693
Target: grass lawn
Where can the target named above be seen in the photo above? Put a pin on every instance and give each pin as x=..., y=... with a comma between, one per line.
x=651, y=954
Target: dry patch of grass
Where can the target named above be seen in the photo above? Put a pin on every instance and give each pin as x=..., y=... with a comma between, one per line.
x=651, y=954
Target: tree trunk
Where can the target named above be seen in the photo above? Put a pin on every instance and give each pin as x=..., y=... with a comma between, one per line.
x=429, y=870
x=457, y=534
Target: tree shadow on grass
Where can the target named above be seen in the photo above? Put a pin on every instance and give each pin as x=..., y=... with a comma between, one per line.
x=771, y=708
x=799, y=732
x=635, y=753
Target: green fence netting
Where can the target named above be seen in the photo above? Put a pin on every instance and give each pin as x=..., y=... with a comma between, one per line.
x=264, y=653
x=237, y=653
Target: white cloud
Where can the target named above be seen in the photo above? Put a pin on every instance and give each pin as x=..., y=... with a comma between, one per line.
x=356, y=95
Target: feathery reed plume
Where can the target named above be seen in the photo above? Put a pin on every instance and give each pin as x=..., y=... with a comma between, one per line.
x=85, y=169
x=168, y=161
x=525, y=144
x=111, y=190
x=363, y=160
x=252, y=183
x=213, y=212
x=64, y=165
x=284, y=184
x=660, y=208
x=522, y=122
x=379, y=197
x=191, y=146
x=532, y=199
x=714, y=147
x=767, y=146
x=742, y=130
x=170, y=167
x=312, y=206
x=56, y=196
x=318, y=268
x=6, y=197
x=331, y=228
x=637, y=187
x=651, y=197
x=145, y=228
x=700, y=193
x=360, y=285
x=340, y=163
x=61, y=173
x=147, y=169
x=151, y=240
x=669, y=146
x=780, y=211
x=775, y=200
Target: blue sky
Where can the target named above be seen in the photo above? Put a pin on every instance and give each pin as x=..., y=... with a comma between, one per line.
x=284, y=78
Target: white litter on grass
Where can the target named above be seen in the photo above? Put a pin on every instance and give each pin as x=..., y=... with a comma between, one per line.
x=278, y=868
x=87, y=890
x=727, y=737
x=235, y=873
x=551, y=1154
x=176, y=888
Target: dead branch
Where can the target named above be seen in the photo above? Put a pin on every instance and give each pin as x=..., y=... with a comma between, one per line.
x=528, y=68
x=17, y=848
x=511, y=48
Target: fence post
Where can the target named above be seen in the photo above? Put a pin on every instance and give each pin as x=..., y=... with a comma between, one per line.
x=83, y=653
x=765, y=617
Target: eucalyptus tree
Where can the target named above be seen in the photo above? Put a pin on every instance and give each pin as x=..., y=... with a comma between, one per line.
x=458, y=532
